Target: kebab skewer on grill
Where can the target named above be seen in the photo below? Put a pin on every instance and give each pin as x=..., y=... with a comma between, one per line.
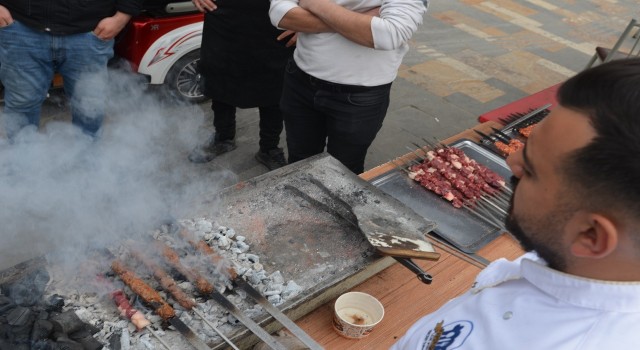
x=531, y=116
x=526, y=131
x=451, y=174
x=207, y=289
x=205, y=249
x=484, y=200
x=136, y=317
x=489, y=206
x=502, y=142
x=170, y=285
x=151, y=297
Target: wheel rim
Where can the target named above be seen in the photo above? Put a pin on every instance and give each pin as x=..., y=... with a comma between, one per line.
x=188, y=81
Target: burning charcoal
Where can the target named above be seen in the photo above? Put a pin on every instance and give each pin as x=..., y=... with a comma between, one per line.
x=144, y=339
x=28, y=290
x=19, y=316
x=269, y=293
x=292, y=289
x=66, y=322
x=42, y=315
x=223, y=242
x=276, y=278
x=153, y=318
x=242, y=247
x=241, y=293
x=68, y=344
x=240, y=238
x=273, y=289
x=90, y=343
x=6, y=304
x=204, y=226
x=125, y=339
x=257, y=310
x=255, y=278
x=230, y=233
x=232, y=320
x=115, y=342
x=41, y=330
x=253, y=258
x=87, y=330
x=86, y=315
x=44, y=344
x=55, y=303
x=275, y=299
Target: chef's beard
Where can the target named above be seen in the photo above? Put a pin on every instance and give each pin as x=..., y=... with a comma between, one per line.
x=541, y=236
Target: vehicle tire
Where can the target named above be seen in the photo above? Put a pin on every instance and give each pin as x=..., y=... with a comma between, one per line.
x=183, y=79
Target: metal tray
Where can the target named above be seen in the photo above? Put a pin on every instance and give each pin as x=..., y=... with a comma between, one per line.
x=457, y=226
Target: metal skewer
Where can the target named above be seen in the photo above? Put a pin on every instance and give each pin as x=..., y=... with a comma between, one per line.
x=219, y=298
x=215, y=329
x=148, y=327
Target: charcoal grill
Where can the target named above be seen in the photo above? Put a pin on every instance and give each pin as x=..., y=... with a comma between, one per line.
x=317, y=249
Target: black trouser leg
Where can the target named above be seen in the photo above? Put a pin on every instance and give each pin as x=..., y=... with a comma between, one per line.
x=270, y=127
x=224, y=120
x=347, y=123
x=305, y=127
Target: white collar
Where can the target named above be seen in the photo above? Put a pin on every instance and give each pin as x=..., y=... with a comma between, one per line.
x=582, y=291
x=574, y=290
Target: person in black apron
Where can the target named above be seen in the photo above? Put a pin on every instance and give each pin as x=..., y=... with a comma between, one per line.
x=242, y=66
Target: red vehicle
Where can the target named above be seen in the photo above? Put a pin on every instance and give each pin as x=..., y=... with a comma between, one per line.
x=163, y=44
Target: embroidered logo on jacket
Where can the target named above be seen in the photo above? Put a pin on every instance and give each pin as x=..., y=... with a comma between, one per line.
x=448, y=337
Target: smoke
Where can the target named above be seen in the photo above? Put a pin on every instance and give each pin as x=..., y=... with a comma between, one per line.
x=63, y=192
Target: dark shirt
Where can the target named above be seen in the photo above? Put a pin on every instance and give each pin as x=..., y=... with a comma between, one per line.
x=63, y=17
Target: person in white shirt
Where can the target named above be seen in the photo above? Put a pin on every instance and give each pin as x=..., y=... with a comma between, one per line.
x=576, y=209
x=336, y=88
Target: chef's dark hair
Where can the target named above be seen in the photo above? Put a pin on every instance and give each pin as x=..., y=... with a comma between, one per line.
x=607, y=170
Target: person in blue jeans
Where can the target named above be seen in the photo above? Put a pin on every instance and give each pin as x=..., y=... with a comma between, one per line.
x=41, y=37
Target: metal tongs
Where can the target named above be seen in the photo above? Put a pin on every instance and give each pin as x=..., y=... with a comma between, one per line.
x=337, y=206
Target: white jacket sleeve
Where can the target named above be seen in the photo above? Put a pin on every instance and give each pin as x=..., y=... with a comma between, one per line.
x=398, y=20
x=279, y=8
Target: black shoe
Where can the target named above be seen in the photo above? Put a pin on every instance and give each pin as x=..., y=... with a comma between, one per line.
x=273, y=159
x=211, y=149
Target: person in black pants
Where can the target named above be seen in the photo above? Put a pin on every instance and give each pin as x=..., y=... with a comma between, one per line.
x=242, y=65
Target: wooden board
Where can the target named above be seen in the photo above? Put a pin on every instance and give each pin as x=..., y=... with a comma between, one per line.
x=404, y=297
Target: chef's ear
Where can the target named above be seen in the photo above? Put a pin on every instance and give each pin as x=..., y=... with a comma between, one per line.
x=592, y=235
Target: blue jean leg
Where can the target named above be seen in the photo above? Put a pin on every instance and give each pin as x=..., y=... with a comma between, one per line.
x=26, y=72
x=82, y=61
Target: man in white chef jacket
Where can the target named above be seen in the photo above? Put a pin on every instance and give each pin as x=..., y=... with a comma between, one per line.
x=576, y=209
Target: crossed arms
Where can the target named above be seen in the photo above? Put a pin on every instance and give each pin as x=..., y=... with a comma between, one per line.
x=385, y=27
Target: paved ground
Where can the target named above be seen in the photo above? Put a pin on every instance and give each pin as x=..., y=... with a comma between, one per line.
x=469, y=57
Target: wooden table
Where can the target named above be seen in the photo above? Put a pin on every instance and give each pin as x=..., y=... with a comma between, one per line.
x=404, y=297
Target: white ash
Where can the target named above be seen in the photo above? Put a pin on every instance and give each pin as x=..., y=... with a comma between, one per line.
x=97, y=309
